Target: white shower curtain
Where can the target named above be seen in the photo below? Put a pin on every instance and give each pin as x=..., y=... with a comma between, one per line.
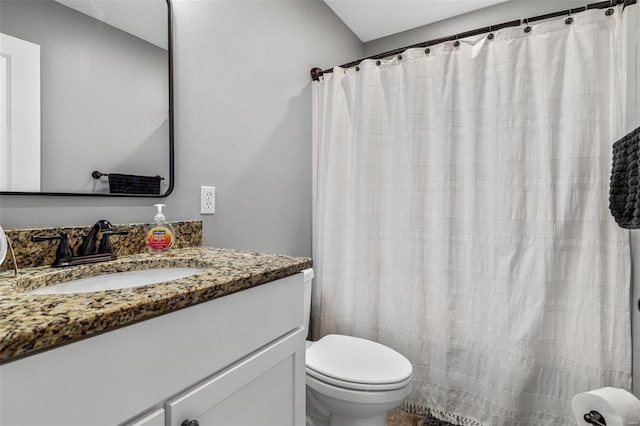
x=461, y=218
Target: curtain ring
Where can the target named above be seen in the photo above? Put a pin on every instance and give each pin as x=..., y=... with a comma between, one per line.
x=490, y=36
x=610, y=11
x=569, y=20
x=378, y=63
x=527, y=29
x=427, y=50
x=457, y=42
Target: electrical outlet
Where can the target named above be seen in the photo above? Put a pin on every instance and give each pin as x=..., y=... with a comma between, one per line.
x=207, y=200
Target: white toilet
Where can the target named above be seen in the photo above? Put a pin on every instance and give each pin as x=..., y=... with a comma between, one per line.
x=353, y=381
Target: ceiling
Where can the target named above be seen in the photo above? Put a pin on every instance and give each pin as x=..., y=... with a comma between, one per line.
x=142, y=18
x=373, y=19
x=368, y=19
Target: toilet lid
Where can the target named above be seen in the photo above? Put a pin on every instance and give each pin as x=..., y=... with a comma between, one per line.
x=355, y=360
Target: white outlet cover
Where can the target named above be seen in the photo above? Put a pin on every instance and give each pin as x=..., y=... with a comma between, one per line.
x=207, y=200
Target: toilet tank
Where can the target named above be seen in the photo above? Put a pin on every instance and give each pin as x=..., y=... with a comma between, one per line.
x=308, y=280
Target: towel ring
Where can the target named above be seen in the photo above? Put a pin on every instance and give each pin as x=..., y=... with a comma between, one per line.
x=5, y=246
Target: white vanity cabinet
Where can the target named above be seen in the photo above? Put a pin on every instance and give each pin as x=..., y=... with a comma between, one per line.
x=154, y=418
x=235, y=360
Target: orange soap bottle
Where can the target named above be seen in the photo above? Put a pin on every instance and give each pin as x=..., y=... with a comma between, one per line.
x=160, y=234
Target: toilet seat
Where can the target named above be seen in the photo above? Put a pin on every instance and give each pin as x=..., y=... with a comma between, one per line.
x=355, y=386
x=358, y=396
x=357, y=364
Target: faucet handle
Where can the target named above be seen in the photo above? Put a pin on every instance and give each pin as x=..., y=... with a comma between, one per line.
x=64, y=249
x=114, y=232
x=105, y=244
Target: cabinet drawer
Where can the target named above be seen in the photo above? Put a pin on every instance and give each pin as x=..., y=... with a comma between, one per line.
x=266, y=388
x=154, y=418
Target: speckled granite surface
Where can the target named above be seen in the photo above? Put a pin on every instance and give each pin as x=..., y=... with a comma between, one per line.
x=30, y=254
x=30, y=323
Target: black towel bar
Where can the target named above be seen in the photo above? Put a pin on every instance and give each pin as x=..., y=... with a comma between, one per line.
x=131, y=184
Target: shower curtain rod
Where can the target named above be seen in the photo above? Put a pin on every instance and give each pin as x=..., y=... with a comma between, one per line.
x=316, y=73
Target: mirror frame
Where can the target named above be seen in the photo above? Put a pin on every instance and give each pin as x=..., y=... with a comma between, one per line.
x=171, y=136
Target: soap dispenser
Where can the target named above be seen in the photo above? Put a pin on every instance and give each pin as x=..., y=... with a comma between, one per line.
x=160, y=234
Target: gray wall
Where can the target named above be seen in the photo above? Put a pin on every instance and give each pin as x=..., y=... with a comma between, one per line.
x=243, y=125
x=108, y=109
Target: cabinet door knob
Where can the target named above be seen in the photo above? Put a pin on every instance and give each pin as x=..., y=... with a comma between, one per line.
x=190, y=423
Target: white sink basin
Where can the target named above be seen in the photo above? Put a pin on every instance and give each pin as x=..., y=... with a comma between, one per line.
x=118, y=280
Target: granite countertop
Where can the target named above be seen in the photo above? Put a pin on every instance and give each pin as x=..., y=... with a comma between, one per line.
x=30, y=323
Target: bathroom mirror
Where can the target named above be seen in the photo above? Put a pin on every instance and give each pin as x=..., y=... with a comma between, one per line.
x=86, y=103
